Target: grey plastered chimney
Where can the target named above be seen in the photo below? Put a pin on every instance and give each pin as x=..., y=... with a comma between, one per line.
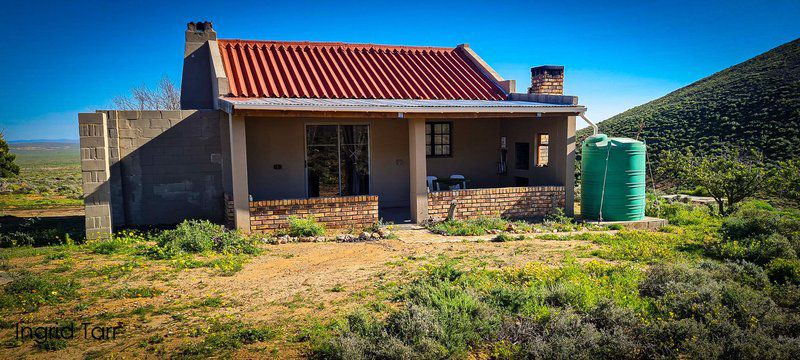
x=196, y=85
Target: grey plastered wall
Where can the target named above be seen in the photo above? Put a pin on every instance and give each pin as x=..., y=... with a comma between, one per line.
x=163, y=166
x=281, y=141
x=560, y=170
x=475, y=145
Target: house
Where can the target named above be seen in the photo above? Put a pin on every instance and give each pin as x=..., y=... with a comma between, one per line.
x=347, y=133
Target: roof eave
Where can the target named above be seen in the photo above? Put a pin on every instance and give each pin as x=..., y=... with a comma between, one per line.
x=230, y=107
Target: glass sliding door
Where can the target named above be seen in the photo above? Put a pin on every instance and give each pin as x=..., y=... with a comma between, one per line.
x=322, y=160
x=337, y=160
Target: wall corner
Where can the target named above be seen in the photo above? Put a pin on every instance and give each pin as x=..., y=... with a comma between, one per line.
x=95, y=171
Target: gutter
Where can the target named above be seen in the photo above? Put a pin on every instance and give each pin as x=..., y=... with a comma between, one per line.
x=230, y=107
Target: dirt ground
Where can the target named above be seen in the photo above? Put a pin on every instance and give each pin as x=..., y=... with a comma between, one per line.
x=288, y=287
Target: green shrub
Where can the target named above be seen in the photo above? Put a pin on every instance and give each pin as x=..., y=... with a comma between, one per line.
x=697, y=191
x=637, y=245
x=750, y=223
x=28, y=291
x=784, y=271
x=506, y=237
x=303, y=227
x=136, y=292
x=707, y=309
x=480, y=226
x=121, y=242
x=227, y=265
x=758, y=233
x=199, y=236
x=221, y=336
x=758, y=250
x=38, y=232
x=685, y=214
x=52, y=345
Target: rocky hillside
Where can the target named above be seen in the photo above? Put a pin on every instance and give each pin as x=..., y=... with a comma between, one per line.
x=755, y=104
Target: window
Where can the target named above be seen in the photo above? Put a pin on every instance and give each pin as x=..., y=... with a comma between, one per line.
x=522, y=156
x=543, y=150
x=521, y=181
x=437, y=139
x=337, y=160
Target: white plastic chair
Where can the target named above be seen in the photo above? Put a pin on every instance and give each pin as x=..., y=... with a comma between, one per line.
x=463, y=184
x=432, y=184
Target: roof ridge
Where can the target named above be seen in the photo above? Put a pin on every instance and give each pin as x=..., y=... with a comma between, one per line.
x=334, y=44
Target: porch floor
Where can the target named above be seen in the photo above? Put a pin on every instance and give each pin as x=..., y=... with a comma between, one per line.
x=397, y=215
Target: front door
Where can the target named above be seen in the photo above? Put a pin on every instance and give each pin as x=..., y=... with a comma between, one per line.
x=337, y=160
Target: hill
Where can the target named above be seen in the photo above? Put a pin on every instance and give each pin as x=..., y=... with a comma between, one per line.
x=755, y=104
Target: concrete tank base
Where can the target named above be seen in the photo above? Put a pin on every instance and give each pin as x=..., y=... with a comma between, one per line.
x=648, y=223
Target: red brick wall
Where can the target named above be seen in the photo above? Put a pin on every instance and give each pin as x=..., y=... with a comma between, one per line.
x=510, y=202
x=335, y=212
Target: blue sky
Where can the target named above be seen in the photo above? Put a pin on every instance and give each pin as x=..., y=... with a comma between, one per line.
x=60, y=58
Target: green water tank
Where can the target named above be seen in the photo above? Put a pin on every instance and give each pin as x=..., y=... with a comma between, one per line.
x=612, y=177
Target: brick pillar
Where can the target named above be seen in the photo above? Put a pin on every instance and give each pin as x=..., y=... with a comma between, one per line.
x=417, y=162
x=548, y=79
x=95, y=171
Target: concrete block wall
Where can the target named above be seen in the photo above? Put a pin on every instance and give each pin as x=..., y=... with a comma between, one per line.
x=507, y=202
x=162, y=166
x=335, y=212
x=93, y=129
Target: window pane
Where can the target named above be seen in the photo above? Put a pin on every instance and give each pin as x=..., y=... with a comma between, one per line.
x=428, y=150
x=321, y=134
x=438, y=137
x=354, y=134
x=544, y=139
x=323, y=171
x=355, y=170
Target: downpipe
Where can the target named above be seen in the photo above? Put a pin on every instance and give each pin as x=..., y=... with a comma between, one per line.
x=594, y=126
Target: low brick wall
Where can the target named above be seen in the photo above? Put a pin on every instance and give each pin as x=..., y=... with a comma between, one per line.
x=510, y=202
x=335, y=212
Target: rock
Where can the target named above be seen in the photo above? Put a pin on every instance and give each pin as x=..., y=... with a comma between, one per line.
x=364, y=236
x=320, y=239
x=307, y=239
x=383, y=232
x=285, y=239
x=345, y=238
x=375, y=235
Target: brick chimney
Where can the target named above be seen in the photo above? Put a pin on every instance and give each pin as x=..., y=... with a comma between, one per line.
x=196, y=91
x=547, y=79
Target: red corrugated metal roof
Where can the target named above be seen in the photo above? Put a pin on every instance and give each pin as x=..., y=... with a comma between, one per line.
x=352, y=71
